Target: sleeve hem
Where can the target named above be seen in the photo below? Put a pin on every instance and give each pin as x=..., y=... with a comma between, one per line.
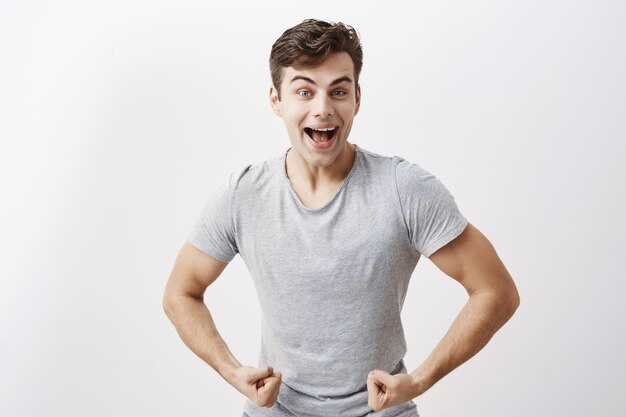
x=445, y=239
x=216, y=255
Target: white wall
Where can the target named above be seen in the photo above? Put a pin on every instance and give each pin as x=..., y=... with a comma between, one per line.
x=117, y=118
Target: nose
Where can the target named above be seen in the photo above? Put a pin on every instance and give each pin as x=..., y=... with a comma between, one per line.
x=324, y=106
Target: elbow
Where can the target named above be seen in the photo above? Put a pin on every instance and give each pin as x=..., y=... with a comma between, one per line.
x=168, y=305
x=505, y=305
x=517, y=299
x=513, y=300
x=505, y=302
x=173, y=303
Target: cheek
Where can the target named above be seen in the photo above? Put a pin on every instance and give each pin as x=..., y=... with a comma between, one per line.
x=345, y=110
x=294, y=119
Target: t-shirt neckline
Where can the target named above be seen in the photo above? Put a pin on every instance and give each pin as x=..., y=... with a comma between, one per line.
x=287, y=181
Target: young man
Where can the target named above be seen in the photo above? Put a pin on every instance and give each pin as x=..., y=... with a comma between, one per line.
x=331, y=234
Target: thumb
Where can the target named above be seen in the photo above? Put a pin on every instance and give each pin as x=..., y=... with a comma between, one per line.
x=380, y=376
x=260, y=373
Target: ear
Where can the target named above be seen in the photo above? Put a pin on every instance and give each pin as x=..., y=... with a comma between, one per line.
x=358, y=99
x=274, y=101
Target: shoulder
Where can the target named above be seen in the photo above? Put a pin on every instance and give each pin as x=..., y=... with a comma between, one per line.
x=250, y=176
x=397, y=163
x=415, y=182
x=404, y=173
x=404, y=167
x=373, y=161
x=413, y=175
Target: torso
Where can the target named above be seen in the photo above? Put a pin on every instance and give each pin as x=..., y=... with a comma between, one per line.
x=331, y=266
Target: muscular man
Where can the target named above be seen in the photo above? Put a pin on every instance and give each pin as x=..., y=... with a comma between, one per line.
x=331, y=234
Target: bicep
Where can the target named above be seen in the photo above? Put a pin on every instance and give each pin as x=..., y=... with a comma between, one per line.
x=472, y=260
x=193, y=272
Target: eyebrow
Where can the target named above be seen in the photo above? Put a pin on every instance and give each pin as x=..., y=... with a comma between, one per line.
x=335, y=82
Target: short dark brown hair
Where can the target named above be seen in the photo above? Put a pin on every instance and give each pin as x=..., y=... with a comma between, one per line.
x=309, y=43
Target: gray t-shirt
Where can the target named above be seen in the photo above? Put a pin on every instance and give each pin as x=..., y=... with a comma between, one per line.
x=331, y=281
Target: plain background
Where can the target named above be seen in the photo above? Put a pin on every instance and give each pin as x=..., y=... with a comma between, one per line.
x=118, y=118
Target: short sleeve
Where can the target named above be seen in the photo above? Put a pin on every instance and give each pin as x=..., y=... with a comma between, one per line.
x=212, y=232
x=430, y=212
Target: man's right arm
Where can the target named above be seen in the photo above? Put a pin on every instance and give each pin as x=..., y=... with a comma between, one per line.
x=183, y=302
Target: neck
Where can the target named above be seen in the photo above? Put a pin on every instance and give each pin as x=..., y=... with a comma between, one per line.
x=313, y=177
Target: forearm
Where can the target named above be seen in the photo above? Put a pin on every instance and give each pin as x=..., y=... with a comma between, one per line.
x=196, y=328
x=480, y=318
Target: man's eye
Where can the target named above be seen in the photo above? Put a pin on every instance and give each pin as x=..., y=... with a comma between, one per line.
x=303, y=93
x=341, y=93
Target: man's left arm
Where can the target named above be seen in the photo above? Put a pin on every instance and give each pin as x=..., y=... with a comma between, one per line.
x=493, y=298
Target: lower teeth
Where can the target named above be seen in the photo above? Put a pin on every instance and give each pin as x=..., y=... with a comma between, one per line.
x=323, y=139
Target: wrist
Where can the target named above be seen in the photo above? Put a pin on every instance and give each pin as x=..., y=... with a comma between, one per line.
x=421, y=383
x=229, y=372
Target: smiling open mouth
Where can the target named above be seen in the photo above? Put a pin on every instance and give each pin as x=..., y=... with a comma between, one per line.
x=321, y=135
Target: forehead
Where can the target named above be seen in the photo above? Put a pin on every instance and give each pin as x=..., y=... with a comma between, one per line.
x=336, y=66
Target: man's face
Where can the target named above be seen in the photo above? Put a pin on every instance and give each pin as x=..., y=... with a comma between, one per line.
x=318, y=98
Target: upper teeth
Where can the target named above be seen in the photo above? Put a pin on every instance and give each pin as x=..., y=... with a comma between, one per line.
x=324, y=129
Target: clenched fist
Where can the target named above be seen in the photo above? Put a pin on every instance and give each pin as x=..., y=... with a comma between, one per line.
x=385, y=390
x=261, y=385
